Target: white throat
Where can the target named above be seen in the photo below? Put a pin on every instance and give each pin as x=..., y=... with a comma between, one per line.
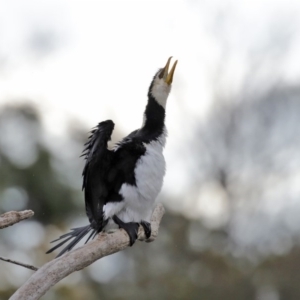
x=160, y=91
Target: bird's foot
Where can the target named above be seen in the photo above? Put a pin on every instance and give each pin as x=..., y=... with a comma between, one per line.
x=147, y=228
x=131, y=228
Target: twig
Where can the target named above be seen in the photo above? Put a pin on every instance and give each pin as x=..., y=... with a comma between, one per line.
x=13, y=217
x=19, y=263
x=59, y=268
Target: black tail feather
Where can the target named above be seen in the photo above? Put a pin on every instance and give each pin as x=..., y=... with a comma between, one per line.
x=90, y=236
x=77, y=234
x=72, y=234
x=58, y=245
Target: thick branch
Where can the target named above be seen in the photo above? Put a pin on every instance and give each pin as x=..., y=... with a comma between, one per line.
x=59, y=268
x=13, y=217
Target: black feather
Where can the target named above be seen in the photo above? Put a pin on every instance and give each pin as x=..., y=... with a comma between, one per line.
x=76, y=233
x=96, y=167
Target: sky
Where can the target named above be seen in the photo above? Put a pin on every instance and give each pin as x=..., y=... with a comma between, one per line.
x=93, y=60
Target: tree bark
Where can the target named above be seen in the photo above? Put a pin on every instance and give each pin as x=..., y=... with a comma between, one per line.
x=104, y=244
x=13, y=217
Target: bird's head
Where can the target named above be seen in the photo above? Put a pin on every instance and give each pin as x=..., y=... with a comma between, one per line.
x=161, y=84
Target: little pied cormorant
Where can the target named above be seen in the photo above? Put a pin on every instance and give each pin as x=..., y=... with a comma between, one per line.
x=121, y=185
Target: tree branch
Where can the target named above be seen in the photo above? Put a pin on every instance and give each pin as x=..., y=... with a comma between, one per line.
x=13, y=217
x=33, y=268
x=59, y=268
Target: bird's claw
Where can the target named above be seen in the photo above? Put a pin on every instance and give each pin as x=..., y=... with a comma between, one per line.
x=131, y=228
x=147, y=228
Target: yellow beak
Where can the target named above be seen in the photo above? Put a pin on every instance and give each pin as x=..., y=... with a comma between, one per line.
x=168, y=77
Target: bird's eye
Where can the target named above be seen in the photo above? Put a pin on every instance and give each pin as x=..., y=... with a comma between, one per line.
x=161, y=73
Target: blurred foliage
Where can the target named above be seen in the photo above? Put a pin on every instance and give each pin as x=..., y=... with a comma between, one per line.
x=187, y=261
x=47, y=196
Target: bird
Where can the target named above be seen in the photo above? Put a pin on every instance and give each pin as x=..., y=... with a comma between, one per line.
x=121, y=184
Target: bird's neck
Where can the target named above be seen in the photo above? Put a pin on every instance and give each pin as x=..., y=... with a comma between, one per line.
x=154, y=118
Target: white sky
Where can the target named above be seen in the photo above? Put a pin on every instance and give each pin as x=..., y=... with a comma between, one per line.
x=106, y=52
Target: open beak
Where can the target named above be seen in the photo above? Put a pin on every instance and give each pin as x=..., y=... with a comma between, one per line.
x=165, y=74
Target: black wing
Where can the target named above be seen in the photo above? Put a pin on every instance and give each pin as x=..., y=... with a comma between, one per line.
x=98, y=161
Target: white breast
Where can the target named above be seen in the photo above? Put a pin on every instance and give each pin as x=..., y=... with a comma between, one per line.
x=139, y=200
x=150, y=171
